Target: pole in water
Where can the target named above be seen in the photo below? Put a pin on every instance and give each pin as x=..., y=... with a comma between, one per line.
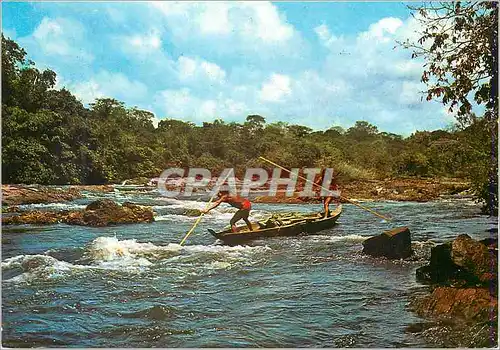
x=196, y=222
x=202, y=214
x=344, y=198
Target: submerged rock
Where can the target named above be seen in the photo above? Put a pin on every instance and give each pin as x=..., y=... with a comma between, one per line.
x=192, y=212
x=392, y=244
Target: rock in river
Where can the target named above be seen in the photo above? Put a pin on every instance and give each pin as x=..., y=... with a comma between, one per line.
x=393, y=244
x=106, y=212
x=464, y=277
x=98, y=213
x=463, y=262
x=475, y=304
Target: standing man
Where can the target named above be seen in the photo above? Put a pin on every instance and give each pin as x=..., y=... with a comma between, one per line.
x=242, y=204
x=326, y=199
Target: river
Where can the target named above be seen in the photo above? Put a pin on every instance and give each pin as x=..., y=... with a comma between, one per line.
x=135, y=286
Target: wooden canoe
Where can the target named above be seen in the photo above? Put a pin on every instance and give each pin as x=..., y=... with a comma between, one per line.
x=308, y=224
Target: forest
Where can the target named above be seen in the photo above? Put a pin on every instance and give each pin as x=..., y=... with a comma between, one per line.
x=50, y=137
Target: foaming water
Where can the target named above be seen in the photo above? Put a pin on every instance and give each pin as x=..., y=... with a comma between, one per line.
x=52, y=206
x=136, y=286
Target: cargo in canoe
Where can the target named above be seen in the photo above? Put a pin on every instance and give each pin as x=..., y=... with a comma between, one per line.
x=283, y=226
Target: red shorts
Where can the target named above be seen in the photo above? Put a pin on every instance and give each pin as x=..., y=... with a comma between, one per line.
x=246, y=205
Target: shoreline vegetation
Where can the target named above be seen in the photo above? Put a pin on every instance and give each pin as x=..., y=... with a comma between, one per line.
x=49, y=137
x=399, y=189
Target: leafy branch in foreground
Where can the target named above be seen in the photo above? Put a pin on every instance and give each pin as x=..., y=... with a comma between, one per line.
x=459, y=44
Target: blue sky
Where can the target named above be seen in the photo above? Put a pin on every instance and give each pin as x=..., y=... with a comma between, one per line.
x=318, y=64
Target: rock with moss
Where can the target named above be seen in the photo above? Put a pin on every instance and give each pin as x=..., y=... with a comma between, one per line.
x=99, y=213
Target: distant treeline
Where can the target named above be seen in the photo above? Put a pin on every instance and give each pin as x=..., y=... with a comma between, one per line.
x=49, y=137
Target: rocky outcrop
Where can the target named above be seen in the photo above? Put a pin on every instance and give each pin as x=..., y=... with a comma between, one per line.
x=392, y=244
x=15, y=195
x=106, y=212
x=94, y=188
x=464, y=276
x=35, y=217
x=475, y=257
x=475, y=304
x=98, y=213
x=463, y=262
x=11, y=209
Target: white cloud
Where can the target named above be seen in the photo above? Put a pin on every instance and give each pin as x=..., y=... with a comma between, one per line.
x=107, y=84
x=326, y=38
x=275, y=88
x=182, y=103
x=214, y=19
x=148, y=42
x=60, y=37
x=198, y=70
x=411, y=92
x=264, y=19
x=87, y=91
x=187, y=67
x=256, y=22
x=382, y=31
x=411, y=29
x=208, y=109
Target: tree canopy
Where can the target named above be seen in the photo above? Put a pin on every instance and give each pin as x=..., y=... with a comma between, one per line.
x=459, y=44
x=50, y=137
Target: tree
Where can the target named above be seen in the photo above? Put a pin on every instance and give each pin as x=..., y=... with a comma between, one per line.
x=22, y=83
x=362, y=130
x=459, y=44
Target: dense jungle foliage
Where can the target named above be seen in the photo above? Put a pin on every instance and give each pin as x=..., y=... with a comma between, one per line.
x=50, y=137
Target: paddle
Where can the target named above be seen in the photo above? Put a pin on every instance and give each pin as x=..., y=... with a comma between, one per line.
x=344, y=198
x=202, y=214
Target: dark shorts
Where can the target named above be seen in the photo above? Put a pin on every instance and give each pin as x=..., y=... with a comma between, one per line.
x=240, y=214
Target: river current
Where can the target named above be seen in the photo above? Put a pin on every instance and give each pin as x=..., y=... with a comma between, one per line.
x=135, y=286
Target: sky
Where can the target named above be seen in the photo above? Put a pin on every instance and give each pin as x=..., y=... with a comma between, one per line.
x=318, y=64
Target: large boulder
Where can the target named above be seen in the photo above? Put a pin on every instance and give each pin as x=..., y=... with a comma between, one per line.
x=392, y=244
x=475, y=257
x=463, y=262
x=442, y=270
x=106, y=212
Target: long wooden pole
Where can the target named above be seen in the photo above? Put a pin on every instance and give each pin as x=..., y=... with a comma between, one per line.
x=344, y=198
x=197, y=221
x=202, y=214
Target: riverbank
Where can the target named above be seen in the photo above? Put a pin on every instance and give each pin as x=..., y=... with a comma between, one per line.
x=401, y=189
x=13, y=195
